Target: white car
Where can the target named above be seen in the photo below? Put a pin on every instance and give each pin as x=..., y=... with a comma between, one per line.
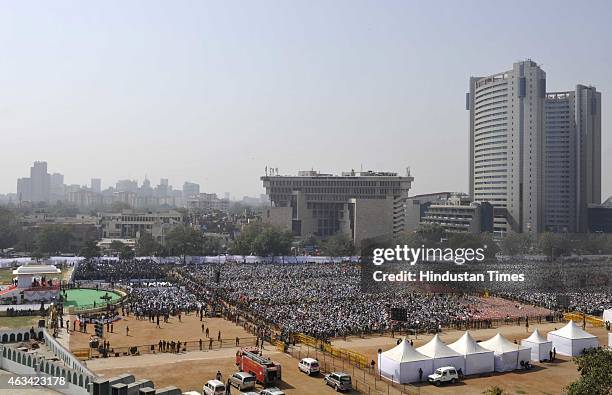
x=272, y=391
x=445, y=374
x=214, y=387
x=309, y=366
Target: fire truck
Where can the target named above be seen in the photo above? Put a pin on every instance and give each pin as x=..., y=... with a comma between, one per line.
x=251, y=361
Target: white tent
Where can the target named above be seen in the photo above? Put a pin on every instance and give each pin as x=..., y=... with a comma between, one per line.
x=508, y=356
x=478, y=360
x=607, y=316
x=402, y=363
x=540, y=347
x=571, y=340
x=442, y=354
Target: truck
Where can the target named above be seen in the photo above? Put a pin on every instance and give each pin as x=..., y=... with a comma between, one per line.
x=251, y=361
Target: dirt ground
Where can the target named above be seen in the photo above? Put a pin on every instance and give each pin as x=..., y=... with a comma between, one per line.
x=143, y=332
x=190, y=370
x=545, y=378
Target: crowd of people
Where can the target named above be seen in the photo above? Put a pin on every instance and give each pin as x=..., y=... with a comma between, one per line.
x=154, y=300
x=328, y=300
x=325, y=300
x=113, y=270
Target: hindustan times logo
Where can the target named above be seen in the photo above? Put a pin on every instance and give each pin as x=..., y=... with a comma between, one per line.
x=412, y=255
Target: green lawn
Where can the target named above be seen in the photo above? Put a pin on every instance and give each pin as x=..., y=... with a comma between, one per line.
x=6, y=275
x=19, y=322
x=86, y=297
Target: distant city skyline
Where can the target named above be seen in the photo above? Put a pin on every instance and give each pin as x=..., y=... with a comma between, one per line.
x=213, y=93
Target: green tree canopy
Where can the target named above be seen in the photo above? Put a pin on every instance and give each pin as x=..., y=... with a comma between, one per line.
x=595, y=367
x=54, y=239
x=338, y=245
x=262, y=239
x=184, y=240
x=146, y=245
x=90, y=250
x=9, y=228
x=516, y=243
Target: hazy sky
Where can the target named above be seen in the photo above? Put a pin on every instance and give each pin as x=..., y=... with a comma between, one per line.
x=212, y=92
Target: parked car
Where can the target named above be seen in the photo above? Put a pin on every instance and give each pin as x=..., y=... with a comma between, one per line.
x=339, y=381
x=242, y=381
x=309, y=366
x=214, y=387
x=445, y=374
x=272, y=391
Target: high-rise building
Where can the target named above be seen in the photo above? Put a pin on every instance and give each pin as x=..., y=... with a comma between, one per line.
x=24, y=189
x=190, y=189
x=361, y=205
x=57, y=187
x=40, y=182
x=573, y=158
x=96, y=185
x=525, y=153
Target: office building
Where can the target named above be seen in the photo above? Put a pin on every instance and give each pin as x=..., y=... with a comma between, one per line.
x=536, y=157
x=40, y=182
x=96, y=185
x=361, y=205
x=600, y=217
x=190, y=189
x=457, y=218
x=573, y=158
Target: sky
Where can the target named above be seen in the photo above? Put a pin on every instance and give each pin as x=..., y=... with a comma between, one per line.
x=213, y=92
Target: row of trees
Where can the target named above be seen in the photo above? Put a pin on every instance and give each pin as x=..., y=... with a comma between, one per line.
x=554, y=245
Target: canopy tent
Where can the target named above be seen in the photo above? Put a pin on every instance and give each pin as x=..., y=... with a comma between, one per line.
x=607, y=316
x=477, y=359
x=540, y=347
x=402, y=363
x=508, y=356
x=442, y=354
x=571, y=340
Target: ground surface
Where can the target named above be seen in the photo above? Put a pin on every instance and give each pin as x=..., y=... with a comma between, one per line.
x=6, y=275
x=190, y=370
x=545, y=378
x=87, y=297
x=143, y=332
x=19, y=322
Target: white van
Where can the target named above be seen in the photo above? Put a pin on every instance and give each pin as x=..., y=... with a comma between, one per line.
x=309, y=366
x=243, y=381
x=214, y=387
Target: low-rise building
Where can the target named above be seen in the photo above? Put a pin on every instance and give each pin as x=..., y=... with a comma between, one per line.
x=473, y=218
x=130, y=224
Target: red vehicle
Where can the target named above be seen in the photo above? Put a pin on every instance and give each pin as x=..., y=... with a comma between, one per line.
x=251, y=361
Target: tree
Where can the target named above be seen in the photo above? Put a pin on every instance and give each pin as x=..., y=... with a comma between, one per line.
x=126, y=252
x=338, y=245
x=494, y=390
x=116, y=245
x=595, y=367
x=431, y=234
x=90, y=250
x=551, y=245
x=146, y=245
x=9, y=229
x=516, y=243
x=263, y=240
x=54, y=239
x=183, y=240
